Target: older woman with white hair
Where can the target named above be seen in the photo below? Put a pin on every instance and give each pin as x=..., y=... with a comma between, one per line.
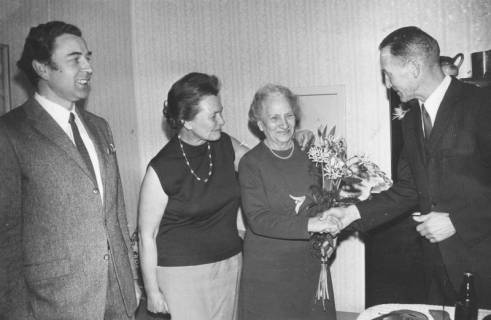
x=280, y=274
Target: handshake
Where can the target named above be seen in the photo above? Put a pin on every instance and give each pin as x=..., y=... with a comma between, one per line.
x=333, y=220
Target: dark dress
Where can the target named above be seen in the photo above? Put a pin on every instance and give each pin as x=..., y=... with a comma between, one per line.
x=280, y=273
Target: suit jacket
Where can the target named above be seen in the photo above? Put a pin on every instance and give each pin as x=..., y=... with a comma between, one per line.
x=451, y=172
x=55, y=231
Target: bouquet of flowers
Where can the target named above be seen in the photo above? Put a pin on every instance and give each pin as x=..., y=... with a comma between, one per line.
x=344, y=181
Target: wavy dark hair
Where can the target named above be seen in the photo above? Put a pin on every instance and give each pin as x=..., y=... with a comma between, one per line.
x=184, y=96
x=40, y=43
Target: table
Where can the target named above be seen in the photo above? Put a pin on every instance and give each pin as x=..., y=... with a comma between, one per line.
x=381, y=309
x=343, y=315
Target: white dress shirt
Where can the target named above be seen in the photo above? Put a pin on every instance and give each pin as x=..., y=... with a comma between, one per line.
x=61, y=115
x=433, y=102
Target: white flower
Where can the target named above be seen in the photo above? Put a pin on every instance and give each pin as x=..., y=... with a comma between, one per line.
x=399, y=112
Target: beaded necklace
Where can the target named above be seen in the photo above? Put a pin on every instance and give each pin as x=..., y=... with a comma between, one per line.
x=288, y=156
x=186, y=160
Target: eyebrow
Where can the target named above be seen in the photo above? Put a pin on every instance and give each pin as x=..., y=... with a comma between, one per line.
x=78, y=53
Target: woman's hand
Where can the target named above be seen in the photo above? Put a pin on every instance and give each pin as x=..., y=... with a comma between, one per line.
x=322, y=224
x=343, y=215
x=304, y=138
x=156, y=302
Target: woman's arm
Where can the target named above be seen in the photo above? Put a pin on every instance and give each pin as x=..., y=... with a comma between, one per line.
x=262, y=219
x=153, y=201
x=240, y=149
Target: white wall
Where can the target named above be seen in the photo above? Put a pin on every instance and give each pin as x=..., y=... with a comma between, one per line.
x=296, y=43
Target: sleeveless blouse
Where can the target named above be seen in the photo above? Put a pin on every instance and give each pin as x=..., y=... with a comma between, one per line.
x=200, y=220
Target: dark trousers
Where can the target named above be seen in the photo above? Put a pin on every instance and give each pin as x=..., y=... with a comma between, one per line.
x=440, y=289
x=441, y=292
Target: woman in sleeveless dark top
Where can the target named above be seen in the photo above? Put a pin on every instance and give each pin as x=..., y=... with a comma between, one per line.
x=190, y=248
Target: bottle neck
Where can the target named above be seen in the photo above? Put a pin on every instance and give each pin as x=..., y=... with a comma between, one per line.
x=467, y=291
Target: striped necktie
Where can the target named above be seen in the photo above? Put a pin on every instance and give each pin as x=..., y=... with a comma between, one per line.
x=427, y=126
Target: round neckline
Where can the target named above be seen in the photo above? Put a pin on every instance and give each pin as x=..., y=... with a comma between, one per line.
x=191, y=150
x=281, y=153
x=192, y=145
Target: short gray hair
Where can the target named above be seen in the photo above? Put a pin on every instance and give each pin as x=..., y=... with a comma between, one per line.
x=411, y=42
x=262, y=94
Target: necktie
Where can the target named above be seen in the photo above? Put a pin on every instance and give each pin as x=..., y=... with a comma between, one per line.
x=427, y=126
x=80, y=145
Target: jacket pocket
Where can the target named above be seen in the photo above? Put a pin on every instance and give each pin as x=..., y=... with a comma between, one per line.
x=47, y=270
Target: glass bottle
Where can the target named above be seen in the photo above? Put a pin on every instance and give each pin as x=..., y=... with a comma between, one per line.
x=466, y=305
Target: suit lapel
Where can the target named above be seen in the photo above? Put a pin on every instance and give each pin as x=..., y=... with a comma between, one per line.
x=445, y=113
x=47, y=126
x=99, y=144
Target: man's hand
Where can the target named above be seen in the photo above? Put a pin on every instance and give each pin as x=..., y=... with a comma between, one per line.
x=345, y=215
x=360, y=191
x=304, y=138
x=434, y=226
x=323, y=225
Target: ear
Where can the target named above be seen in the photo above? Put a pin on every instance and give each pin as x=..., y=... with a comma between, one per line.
x=415, y=68
x=41, y=69
x=260, y=125
x=187, y=125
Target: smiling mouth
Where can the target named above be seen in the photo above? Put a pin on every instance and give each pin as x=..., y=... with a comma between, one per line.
x=83, y=81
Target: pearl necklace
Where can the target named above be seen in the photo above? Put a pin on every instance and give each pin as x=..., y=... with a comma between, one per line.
x=281, y=157
x=186, y=160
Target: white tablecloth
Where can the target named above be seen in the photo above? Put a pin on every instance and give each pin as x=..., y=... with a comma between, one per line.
x=381, y=309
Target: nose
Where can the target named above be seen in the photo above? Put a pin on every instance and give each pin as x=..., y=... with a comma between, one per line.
x=387, y=82
x=85, y=65
x=284, y=122
x=220, y=119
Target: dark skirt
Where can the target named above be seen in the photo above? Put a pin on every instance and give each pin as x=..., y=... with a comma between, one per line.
x=281, y=284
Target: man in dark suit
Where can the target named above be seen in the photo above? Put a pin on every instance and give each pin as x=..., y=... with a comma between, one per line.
x=444, y=168
x=64, y=243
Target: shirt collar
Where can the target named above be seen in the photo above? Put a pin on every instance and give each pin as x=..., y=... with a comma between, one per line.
x=433, y=102
x=56, y=111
